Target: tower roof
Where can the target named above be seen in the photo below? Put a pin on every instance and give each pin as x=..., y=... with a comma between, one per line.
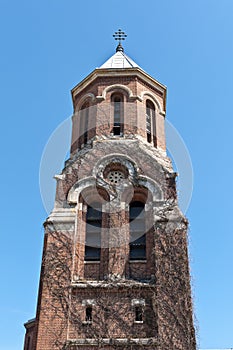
x=119, y=60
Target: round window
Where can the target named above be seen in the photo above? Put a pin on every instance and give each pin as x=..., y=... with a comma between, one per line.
x=115, y=177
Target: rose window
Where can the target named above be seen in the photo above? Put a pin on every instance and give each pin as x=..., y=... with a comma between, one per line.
x=115, y=177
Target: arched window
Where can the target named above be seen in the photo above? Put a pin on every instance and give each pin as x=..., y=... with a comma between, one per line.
x=93, y=232
x=150, y=121
x=117, y=101
x=137, y=246
x=84, y=119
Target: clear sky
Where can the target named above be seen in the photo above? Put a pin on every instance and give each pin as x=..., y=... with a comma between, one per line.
x=47, y=47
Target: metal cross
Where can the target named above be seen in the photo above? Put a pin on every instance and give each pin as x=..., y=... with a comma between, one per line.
x=120, y=35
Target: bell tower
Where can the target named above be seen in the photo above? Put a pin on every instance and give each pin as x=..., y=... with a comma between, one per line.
x=115, y=268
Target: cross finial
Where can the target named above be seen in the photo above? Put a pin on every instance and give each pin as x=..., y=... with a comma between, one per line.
x=119, y=35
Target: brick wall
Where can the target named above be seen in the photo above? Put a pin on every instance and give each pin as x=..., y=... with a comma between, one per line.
x=114, y=286
x=101, y=111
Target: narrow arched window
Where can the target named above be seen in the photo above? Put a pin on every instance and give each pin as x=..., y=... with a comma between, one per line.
x=84, y=119
x=137, y=246
x=150, y=121
x=117, y=101
x=93, y=232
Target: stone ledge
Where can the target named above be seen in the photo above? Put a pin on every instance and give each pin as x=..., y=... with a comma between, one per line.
x=111, y=284
x=111, y=341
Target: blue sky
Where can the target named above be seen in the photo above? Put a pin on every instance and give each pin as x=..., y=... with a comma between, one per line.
x=47, y=47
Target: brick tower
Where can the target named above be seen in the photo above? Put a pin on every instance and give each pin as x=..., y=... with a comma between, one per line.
x=115, y=269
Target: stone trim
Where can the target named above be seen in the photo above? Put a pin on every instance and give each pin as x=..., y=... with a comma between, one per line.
x=116, y=87
x=30, y=323
x=154, y=99
x=110, y=284
x=124, y=160
x=112, y=73
x=112, y=341
x=88, y=96
x=136, y=302
x=77, y=188
x=88, y=302
x=152, y=186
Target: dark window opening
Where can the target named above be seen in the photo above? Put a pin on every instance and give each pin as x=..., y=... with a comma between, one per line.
x=148, y=137
x=93, y=232
x=150, y=121
x=137, y=247
x=138, y=314
x=118, y=114
x=84, y=115
x=116, y=130
x=88, y=317
x=92, y=253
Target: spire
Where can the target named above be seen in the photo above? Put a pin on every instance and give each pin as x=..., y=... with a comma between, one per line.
x=120, y=35
x=119, y=59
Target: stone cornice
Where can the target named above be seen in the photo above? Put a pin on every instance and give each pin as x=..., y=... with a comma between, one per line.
x=124, y=72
